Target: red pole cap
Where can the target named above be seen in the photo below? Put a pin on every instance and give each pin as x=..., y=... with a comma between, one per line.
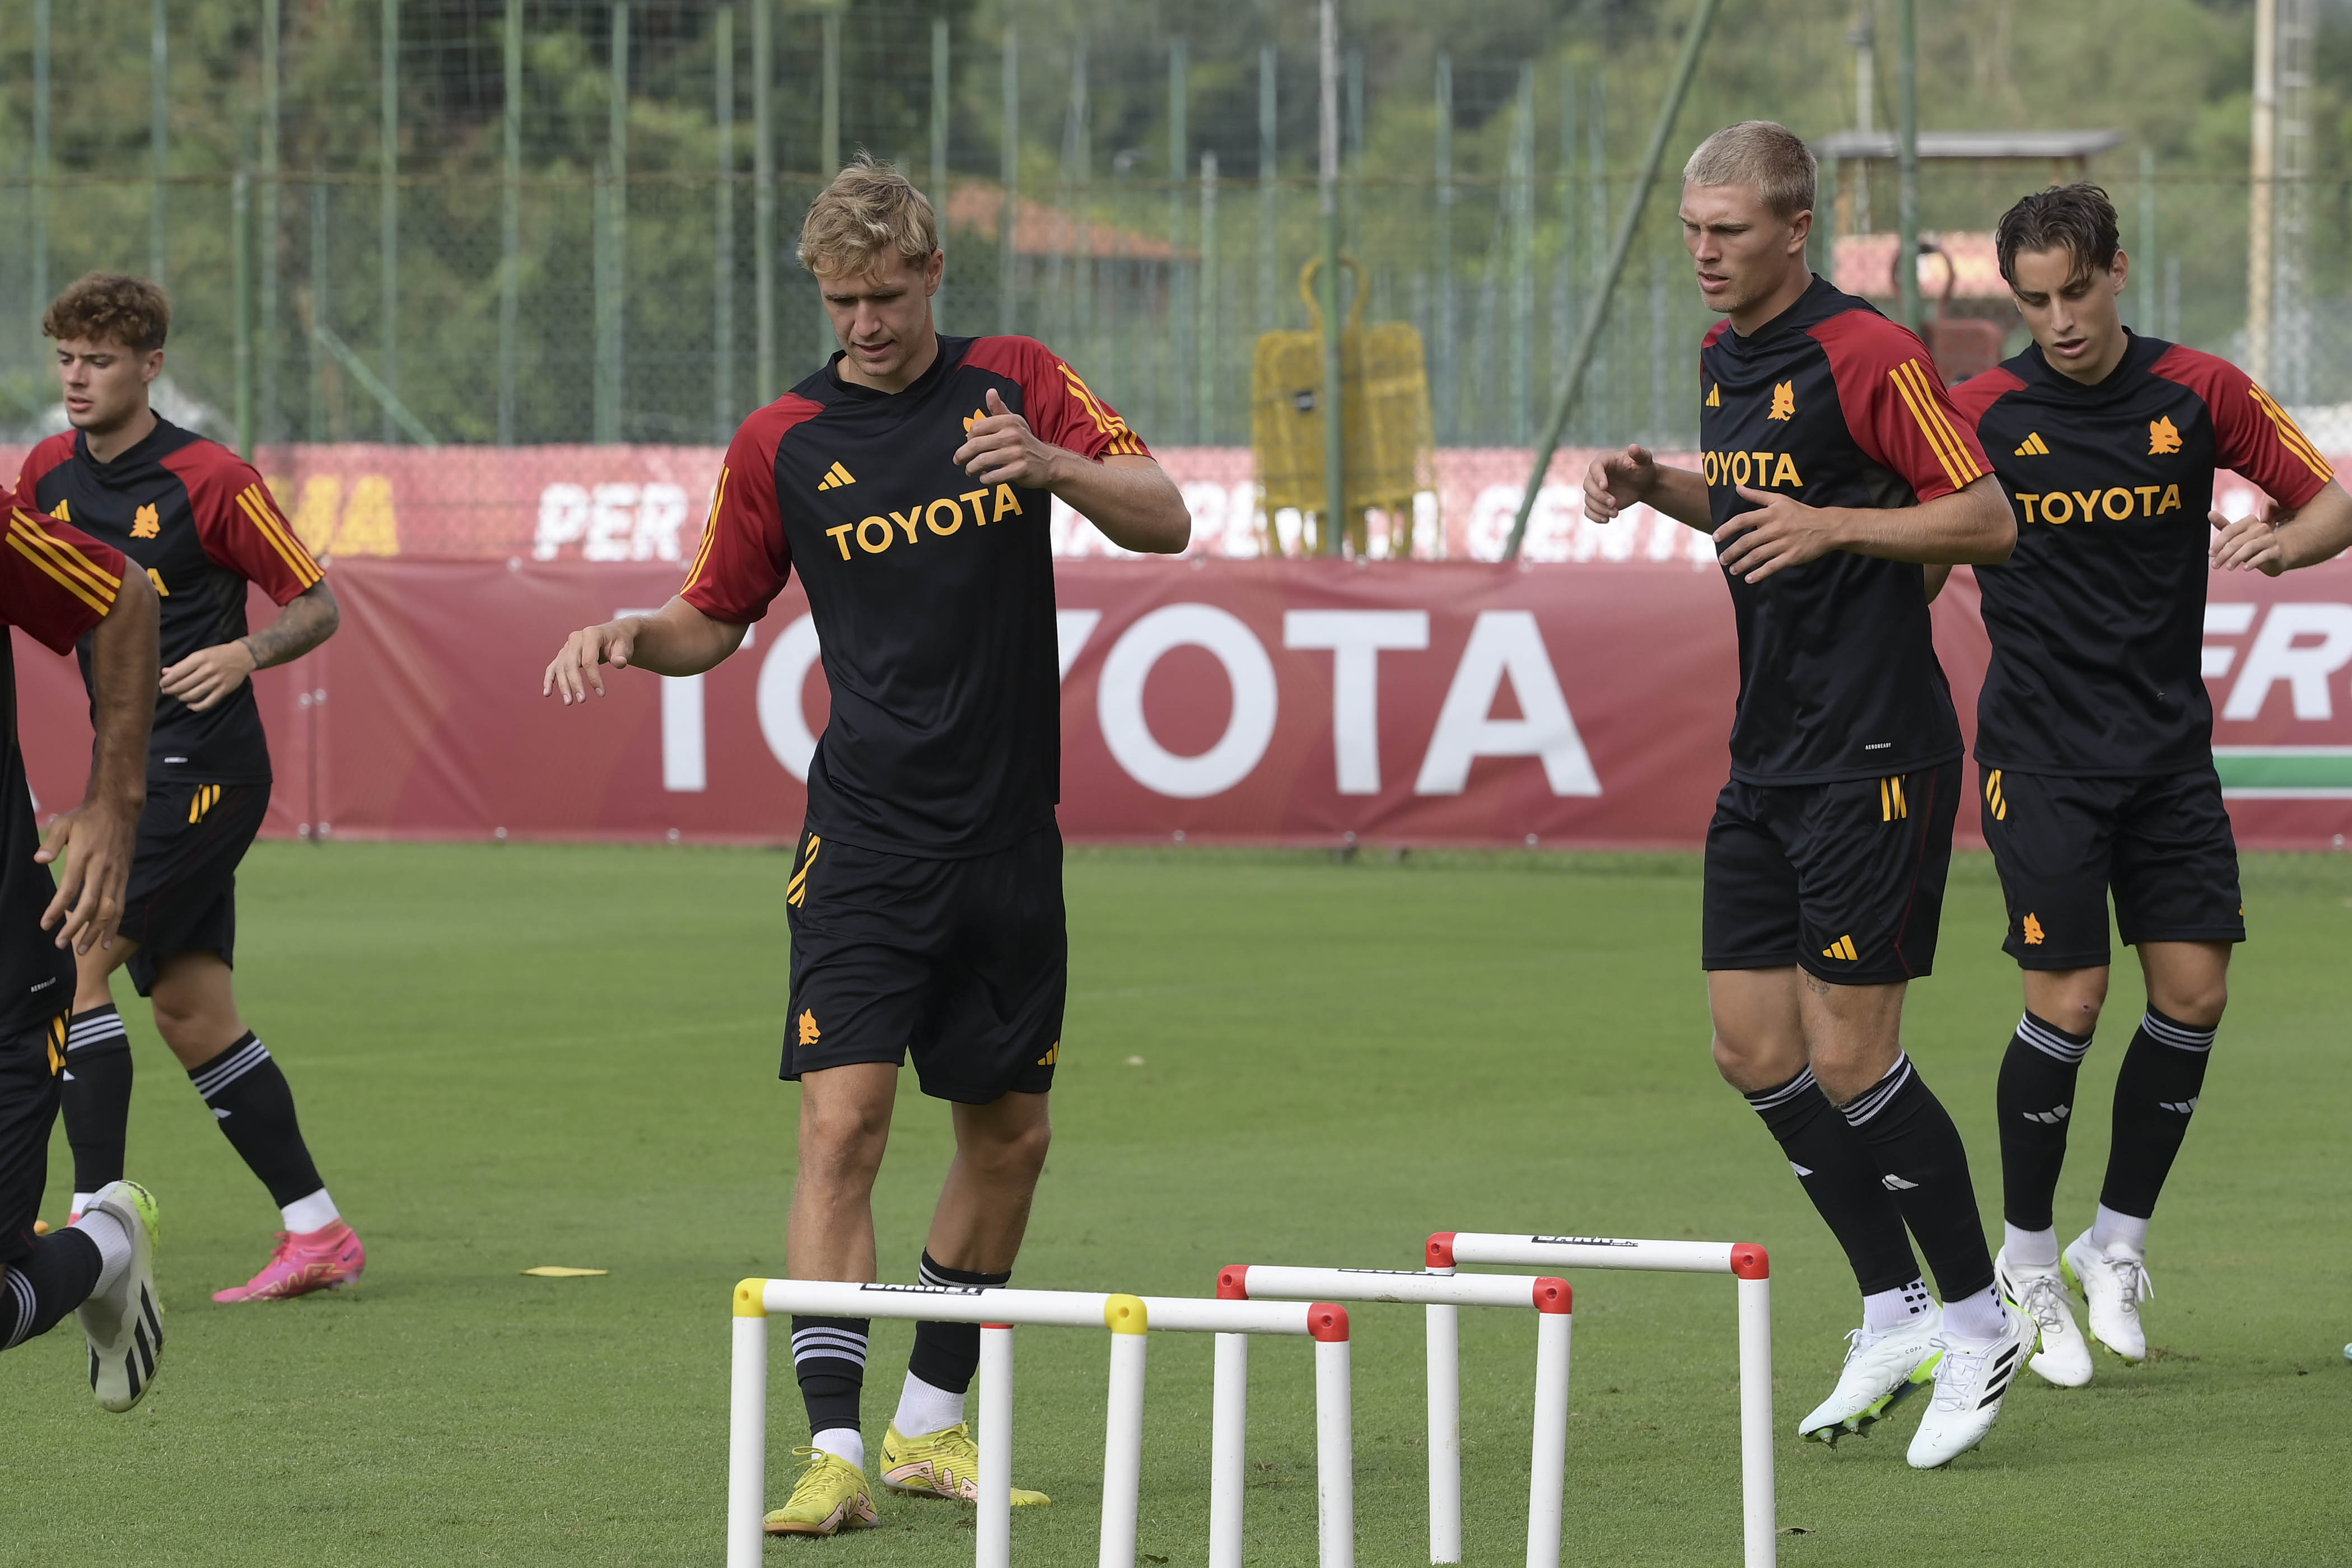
x=1441, y=1250
x=1751, y=1262
x=1328, y=1322
x=1007, y=1327
x=1554, y=1296
x=1232, y=1282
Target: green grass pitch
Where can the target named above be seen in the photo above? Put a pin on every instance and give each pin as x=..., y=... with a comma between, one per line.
x=517, y=1055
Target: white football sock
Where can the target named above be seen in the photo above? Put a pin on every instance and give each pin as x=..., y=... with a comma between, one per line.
x=1977, y=1317
x=924, y=1409
x=842, y=1442
x=2109, y=1227
x=1885, y=1309
x=2034, y=1251
x=316, y=1212
x=113, y=1244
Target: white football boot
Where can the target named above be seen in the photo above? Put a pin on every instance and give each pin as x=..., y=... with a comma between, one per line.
x=2114, y=1283
x=1881, y=1371
x=124, y=1325
x=1971, y=1377
x=2065, y=1358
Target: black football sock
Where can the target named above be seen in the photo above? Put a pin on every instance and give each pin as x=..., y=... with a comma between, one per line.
x=2156, y=1094
x=97, y=1096
x=254, y=1106
x=37, y=1291
x=829, y=1360
x=1838, y=1173
x=1923, y=1162
x=939, y=1368
x=2036, y=1101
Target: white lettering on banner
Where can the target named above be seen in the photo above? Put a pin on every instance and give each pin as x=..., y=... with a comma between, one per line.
x=1558, y=530
x=613, y=523
x=2227, y=621
x=1071, y=630
x=1506, y=645
x=784, y=676
x=1355, y=639
x=2275, y=657
x=685, y=757
x=1118, y=701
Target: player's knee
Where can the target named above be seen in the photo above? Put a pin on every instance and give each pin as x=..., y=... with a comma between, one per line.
x=1747, y=1065
x=2198, y=1003
x=842, y=1137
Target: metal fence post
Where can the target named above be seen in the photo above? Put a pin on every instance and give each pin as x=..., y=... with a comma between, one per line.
x=316, y=428
x=510, y=228
x=1335, y=432
x=40, y=215
x=1268, y=191
x=829, y=153
x=388, y=206
x=1205, y=379
x=1008, y=213
x=1179, y=300
x=1906, y=157
x=722, y=230
x=763, y=199
x=272, y=424
x=1522, y=176
x=1449, y=378
x=240, y=272
x=942, y=110
x=158, y=130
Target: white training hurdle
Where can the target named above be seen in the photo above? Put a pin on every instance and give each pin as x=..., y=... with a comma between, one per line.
x=1443, y=1294
x=1128, y=1318
x=1745, y=1261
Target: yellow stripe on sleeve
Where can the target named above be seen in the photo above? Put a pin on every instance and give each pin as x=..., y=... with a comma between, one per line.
x=33, y=553
x=2291, y=435
x=1934, y=408
x=27, y=526
x=710, y=531
x=256, y=506
x=1910, y=380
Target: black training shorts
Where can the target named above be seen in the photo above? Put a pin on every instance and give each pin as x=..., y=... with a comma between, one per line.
x=963, y=965
x=30, y=1061
x=2162, y=843
x=1844, y=879
x=183, y=895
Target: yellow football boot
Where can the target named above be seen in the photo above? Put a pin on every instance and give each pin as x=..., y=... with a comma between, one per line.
x=829, y=1497
x=940, y=1464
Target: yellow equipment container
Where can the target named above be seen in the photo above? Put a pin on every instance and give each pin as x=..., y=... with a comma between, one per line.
x=1390, y=452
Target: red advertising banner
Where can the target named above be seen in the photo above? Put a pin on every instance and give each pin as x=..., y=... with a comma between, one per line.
x=1207, y=700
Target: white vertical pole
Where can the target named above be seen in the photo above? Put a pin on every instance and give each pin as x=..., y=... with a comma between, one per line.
x=1759, y=1516
x=1548, y=1470
x=1228, y=1444
x=1444, y=1433
x=1123, y=1431
x=1335, y=1456
x=747, y=1446
x=995, y=1521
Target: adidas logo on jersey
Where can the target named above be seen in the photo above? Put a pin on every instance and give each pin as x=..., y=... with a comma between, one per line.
x=1714, y=396
x=2033, y=446
x=1841, y=948
x=834, y=478
x=2050, y=1117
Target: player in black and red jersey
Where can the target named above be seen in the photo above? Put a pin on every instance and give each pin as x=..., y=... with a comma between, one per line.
x=910, y=483
x=203, y=526
x=1834, y=470
x=61, y=587
x=2095, y=731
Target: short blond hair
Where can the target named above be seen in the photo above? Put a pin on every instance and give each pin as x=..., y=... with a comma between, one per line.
x=1763, y=153
x=869, y=208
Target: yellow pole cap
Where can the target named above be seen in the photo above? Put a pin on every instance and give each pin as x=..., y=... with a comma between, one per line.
x=752, y=1299
x=1125, y=1315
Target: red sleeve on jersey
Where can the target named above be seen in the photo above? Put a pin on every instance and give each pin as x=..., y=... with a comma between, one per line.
x=56, y=581
x=1973, y=397
x=238, y=521
x=745, y=560
x=1060, y=406
x=2253, y=437
x=1896, y=407
x=55, y=449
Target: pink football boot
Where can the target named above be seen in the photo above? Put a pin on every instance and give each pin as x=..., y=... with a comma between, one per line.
x=327, y=1258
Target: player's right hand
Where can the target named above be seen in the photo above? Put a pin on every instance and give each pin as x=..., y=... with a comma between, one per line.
x=574, y=670
x=1617, y=480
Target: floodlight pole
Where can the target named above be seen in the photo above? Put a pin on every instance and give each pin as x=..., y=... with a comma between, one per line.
x=1571, y=382
x=1906, y=153
x=1334, y=435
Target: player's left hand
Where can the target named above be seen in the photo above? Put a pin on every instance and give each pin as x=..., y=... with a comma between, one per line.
x=206, y=677
x=1002, y=450
x=2249, y=541
x=1782, y=531
x=90, y=895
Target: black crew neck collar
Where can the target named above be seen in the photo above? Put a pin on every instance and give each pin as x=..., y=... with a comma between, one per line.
x=129, y=457
x=2136, y=351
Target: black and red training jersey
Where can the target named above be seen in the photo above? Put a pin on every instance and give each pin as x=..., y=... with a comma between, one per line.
x=1831, y=403
x=56, y=584
x=2098, y=621
x=932, y=591
x=197, y=519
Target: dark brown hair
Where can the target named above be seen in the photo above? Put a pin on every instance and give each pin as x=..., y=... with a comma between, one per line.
x=2079, y=217
x=110, y=308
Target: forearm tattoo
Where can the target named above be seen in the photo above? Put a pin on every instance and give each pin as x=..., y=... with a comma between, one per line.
x=307, y=620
